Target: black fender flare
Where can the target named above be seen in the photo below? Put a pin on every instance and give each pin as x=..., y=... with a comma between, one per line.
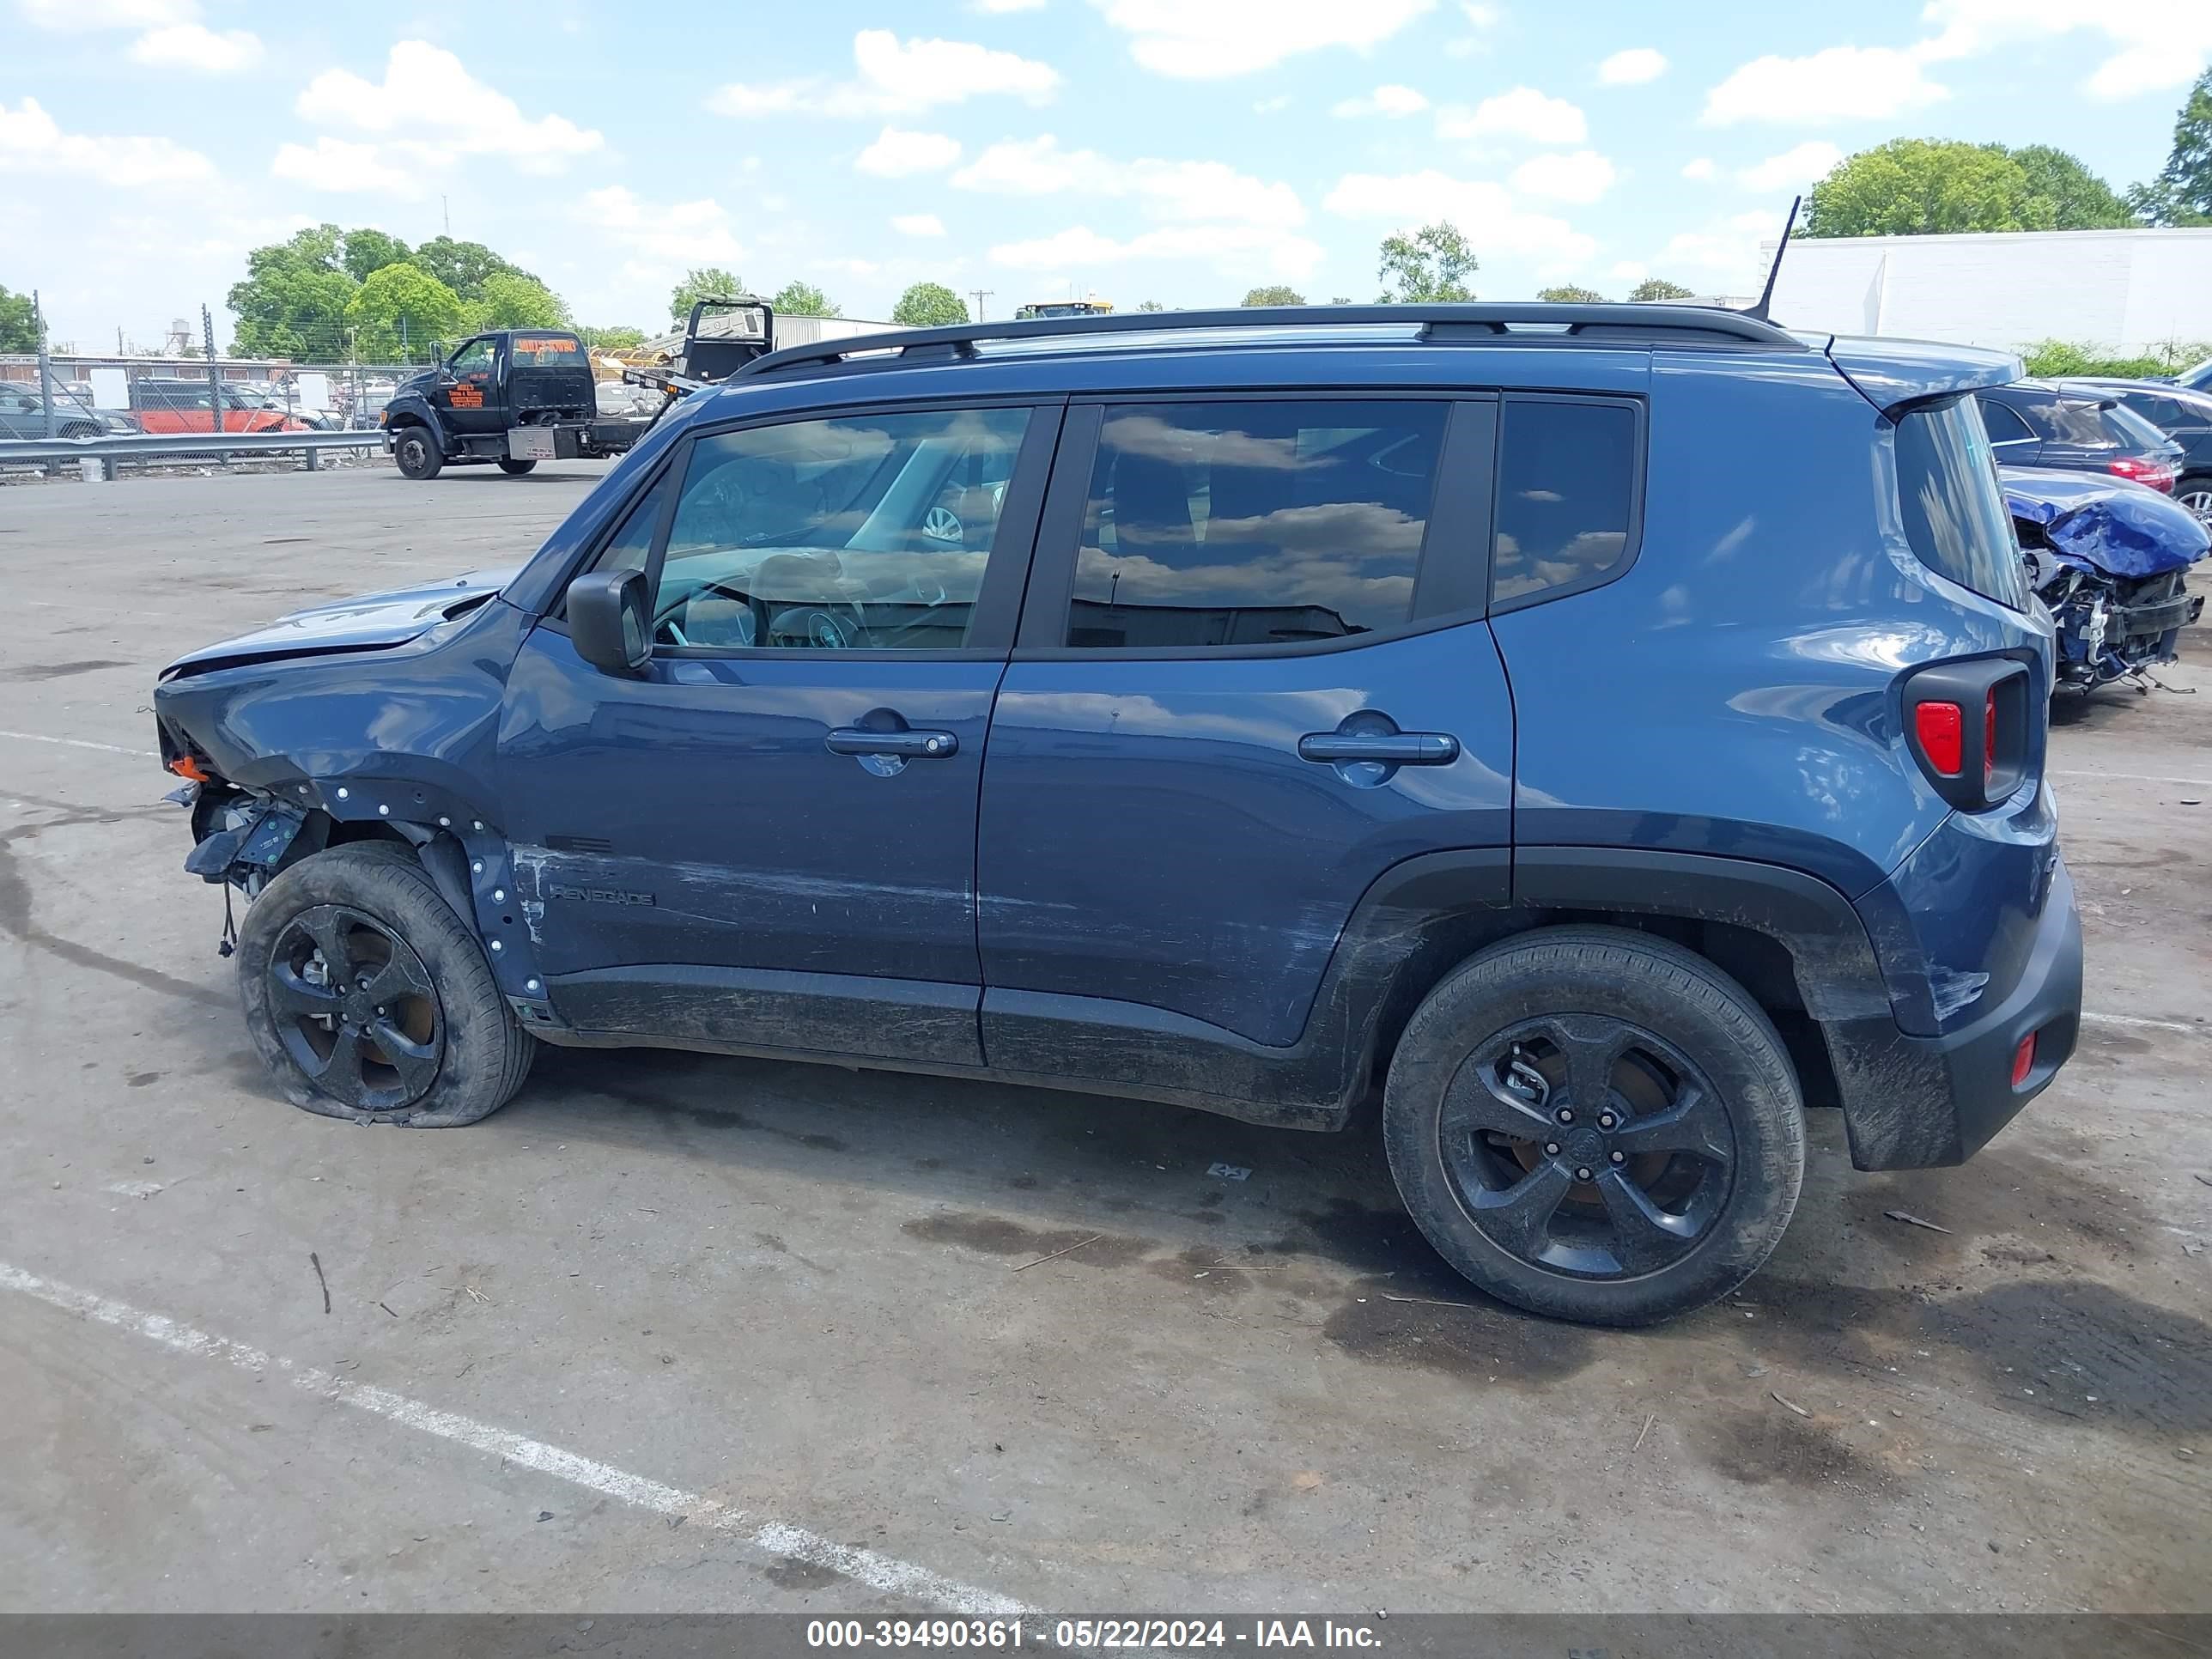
x=1839, y=973
x=415, y=409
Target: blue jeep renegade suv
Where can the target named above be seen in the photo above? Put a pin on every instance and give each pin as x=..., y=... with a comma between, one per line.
x=1607, y=731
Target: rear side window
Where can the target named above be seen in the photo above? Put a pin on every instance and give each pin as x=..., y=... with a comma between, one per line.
x=1954, y=509
x=1566, y=496
x=2078, y=423
x=2003, y=426
x=1254, y=523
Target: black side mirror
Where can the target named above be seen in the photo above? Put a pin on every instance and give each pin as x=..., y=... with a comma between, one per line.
x=611, y=621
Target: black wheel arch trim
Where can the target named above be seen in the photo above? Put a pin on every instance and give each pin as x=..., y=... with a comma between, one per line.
x=413, y=410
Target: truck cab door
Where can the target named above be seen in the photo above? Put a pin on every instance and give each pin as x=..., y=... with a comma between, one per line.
x=469, y=401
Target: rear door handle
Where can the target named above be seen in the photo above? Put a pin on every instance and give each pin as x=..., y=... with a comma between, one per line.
x=1387, y=748
x=905, y=745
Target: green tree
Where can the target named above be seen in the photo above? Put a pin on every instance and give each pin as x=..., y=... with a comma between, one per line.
x=703, y=282
x=2182, y=192
x=1275, y=293
x=370, y=250
x=403, y=314
x=1429, y=266
x=926, y=305
x=1658, y=287
x=293, y=299
x=1568, y=294
x=511, y=300
x=19, y=323
x=801, y=298
x=2079, y=199
x=619, y=338
x=1929, y=186
x=1150, y=305
x=463, y=267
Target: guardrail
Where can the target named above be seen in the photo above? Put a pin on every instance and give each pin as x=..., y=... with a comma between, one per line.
x=15, y=451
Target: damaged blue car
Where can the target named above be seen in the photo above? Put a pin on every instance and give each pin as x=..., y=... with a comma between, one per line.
x=1275, y=713
x=2110, y=560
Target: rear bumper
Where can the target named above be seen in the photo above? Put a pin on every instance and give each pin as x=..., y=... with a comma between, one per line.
x=1917, y=1102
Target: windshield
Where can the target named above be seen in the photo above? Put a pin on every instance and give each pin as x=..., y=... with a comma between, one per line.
x=2199, y=377
x=548, y=351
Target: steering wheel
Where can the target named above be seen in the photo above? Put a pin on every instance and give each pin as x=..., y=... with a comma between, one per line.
x=816, y=626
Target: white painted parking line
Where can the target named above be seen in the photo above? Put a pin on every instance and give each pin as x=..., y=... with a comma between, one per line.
x=80, y=742
x=2185, y=1027
x=778, y=1538
x=2135, y=777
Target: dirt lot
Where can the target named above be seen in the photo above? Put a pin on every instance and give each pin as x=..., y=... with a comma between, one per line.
x=691, y=1334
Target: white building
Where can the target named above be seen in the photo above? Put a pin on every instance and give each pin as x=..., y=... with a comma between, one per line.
x=2122, y=292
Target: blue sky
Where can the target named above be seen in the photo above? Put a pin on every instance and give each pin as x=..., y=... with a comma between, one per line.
x=1179, y=150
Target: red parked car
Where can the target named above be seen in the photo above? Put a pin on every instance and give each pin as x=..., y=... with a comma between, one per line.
x=175, y=406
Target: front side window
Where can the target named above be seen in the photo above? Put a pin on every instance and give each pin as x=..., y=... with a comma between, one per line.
x=860, y=532
x=473, y=361
x=1254, y=524
x=1566, y=488
x=1954, y=509
x=2003, y=426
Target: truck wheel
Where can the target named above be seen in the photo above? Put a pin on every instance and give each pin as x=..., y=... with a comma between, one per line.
x=513, y=468
x=417, y=456
x=368, y=999
x=1595, y=1124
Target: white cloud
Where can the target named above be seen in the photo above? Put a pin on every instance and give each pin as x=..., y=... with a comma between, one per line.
x=996, y=7
x=669, y=235
x=1728, y=250
x=1632, y=67
x=918, y=224
x=1627, y=271
x=1269, y=106
x=1487, y=211
x=1793, y=168
x=433, y=107
x=1235, y=250
x=2159, y=43
x=1391, y=100
x=32, y=142
x=1481, y=15
x=1840, y=83
x=897, y=77
x=897, y=153
x=1209, y=39
x=1701, y=169
x=1523, y=113
x=1582, y=175
x=1188, y=191
x=337, y=164
x=188, y=45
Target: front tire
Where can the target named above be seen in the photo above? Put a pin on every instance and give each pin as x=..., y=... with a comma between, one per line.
x=1596, y=1125
x=416, y=453
x=514, y=468
x=368, y=999
x=2195, y=493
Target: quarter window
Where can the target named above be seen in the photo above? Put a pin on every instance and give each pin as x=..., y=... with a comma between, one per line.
x=1566, y=484
x=1253, y=524
x=1954, y=509
x=863, y=532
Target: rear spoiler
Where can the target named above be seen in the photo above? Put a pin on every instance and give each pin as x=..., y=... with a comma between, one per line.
x=1890, y=373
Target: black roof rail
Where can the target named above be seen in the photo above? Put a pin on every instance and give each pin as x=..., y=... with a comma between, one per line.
x=1615, y=324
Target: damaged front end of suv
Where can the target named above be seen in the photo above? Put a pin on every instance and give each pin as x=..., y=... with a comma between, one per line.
x=368, y=727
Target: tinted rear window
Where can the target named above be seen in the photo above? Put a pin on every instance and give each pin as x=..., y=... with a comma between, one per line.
x=2135, y=430
x=2073, y=423
x=548, y=351
x=1566, y=483
x=1954, y=509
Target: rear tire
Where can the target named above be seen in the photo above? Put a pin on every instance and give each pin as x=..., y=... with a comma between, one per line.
x=1596, y=1125
x=514, y=468
x=416, y=453
x=2195, y=493
x=411, y=1028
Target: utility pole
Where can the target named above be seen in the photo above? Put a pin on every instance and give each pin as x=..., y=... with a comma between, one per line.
x=214, y=372
x=979, y=295
x=45, y=364
x=446, y=209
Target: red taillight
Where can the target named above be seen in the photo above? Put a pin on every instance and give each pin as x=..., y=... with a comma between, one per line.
x=2156, y=474
x=2023, y=1059
x=1941, y=728
x=1989, y=739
